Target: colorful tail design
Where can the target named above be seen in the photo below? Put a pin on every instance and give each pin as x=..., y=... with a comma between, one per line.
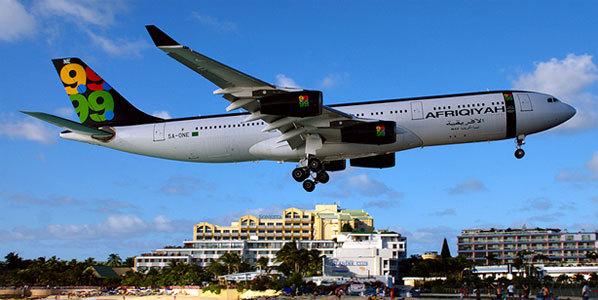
x=95, y=101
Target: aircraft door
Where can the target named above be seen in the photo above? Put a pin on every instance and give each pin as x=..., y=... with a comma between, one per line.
x=417, y=111
x=524, y=102
x=159, y=131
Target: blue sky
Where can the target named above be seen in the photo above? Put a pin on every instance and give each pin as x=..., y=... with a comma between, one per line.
x=74, y=200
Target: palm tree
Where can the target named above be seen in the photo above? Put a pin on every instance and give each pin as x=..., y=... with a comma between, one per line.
x=231, y=260
x=491, y=259
x=592, y=255
x=314, y=262
x=263, y=262
x=114, y=260
x=90, y=261
x=290, y=256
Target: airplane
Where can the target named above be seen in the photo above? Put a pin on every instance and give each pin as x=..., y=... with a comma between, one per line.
x=288, y=124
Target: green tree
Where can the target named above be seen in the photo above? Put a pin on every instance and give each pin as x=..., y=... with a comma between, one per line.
x=591, y=256
x=346, y=228
x=446, y=252
x=231, y=260
x=263, y=262
x=114, y=260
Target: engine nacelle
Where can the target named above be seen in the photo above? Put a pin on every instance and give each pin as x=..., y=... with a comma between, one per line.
x=378, y=161
x=374, y=133
x=293, y=104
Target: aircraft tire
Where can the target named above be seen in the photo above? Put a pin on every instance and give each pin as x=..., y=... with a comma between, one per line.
x=519, y=153
x=299, y=174
x=322, y=177
x=309, y=185
x=314, y=164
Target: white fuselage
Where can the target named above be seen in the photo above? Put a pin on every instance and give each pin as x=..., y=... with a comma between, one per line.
x=430, y=121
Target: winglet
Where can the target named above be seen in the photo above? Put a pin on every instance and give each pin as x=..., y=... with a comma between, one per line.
x=160, y=38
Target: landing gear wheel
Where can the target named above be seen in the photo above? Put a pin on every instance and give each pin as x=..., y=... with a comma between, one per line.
x=299, y=174
x=309, y=185
x=314, y=164
x=322, y=177
x=519, y=153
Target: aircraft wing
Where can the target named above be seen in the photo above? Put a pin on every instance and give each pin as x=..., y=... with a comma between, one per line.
x=244, y=91
x=216, y=72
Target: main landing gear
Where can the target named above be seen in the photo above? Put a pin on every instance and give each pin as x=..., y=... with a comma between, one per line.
x=519, y=153
x=314, y=169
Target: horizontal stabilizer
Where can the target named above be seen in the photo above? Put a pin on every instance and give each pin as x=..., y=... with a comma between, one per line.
x=70, y=125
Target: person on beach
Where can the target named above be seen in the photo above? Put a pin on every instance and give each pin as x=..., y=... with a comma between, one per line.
x=511, y=291
x=545, y=293
x=526, y=292
x=477, y=293
x=585, y=292
x=498, y=288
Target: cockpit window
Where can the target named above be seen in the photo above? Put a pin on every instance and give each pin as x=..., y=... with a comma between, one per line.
x=552, y=100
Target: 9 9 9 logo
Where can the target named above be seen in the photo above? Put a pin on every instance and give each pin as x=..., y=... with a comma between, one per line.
x=88, y=92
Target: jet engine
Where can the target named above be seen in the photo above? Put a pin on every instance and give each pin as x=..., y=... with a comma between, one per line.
x=293, y=104
x=374, y=133
x=378, y=161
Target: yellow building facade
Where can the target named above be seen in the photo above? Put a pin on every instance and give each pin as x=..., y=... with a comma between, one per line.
x=323, y=223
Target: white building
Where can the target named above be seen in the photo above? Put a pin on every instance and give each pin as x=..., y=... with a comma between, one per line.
x=366, y=255
x=352, y=255
x=203, y=252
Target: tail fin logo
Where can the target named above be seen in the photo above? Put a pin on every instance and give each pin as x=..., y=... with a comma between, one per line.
x=88, y=92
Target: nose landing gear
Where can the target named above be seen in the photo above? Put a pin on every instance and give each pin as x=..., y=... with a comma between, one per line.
x=519, y=153
x=314, y=168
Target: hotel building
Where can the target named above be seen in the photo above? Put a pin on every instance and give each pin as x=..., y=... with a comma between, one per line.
x=294, y=224
x=501, y=246
x=253, y=237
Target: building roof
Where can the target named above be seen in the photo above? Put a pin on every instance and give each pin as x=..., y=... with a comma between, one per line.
x=102, y=271
x=108, y=272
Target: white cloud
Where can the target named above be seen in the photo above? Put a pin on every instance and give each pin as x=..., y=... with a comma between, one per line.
x=333, y=80
x=65, y=112
x=28, y=129
x=446, y=212
x=579, y=174
x=113, y=227
x=184, y=185
x=381, y=203
x=223, y=26
x=592, y=164
x=162, y=114
x=80, y=12
x=284, y=81
x=571, y=80
x=50, y=201
x=366, y=186
x=15, y=21
x=472, y=185
x=548, y=218
x=120, y=47
x=539, y=204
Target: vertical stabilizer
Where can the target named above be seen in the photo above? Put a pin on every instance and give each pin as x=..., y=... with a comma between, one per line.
x=94, y=100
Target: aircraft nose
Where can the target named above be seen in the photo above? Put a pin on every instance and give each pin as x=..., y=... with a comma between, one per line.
x=568, y=112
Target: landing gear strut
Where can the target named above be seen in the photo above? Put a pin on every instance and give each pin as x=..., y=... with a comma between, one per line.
x=314, y=168
x=519, y=153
